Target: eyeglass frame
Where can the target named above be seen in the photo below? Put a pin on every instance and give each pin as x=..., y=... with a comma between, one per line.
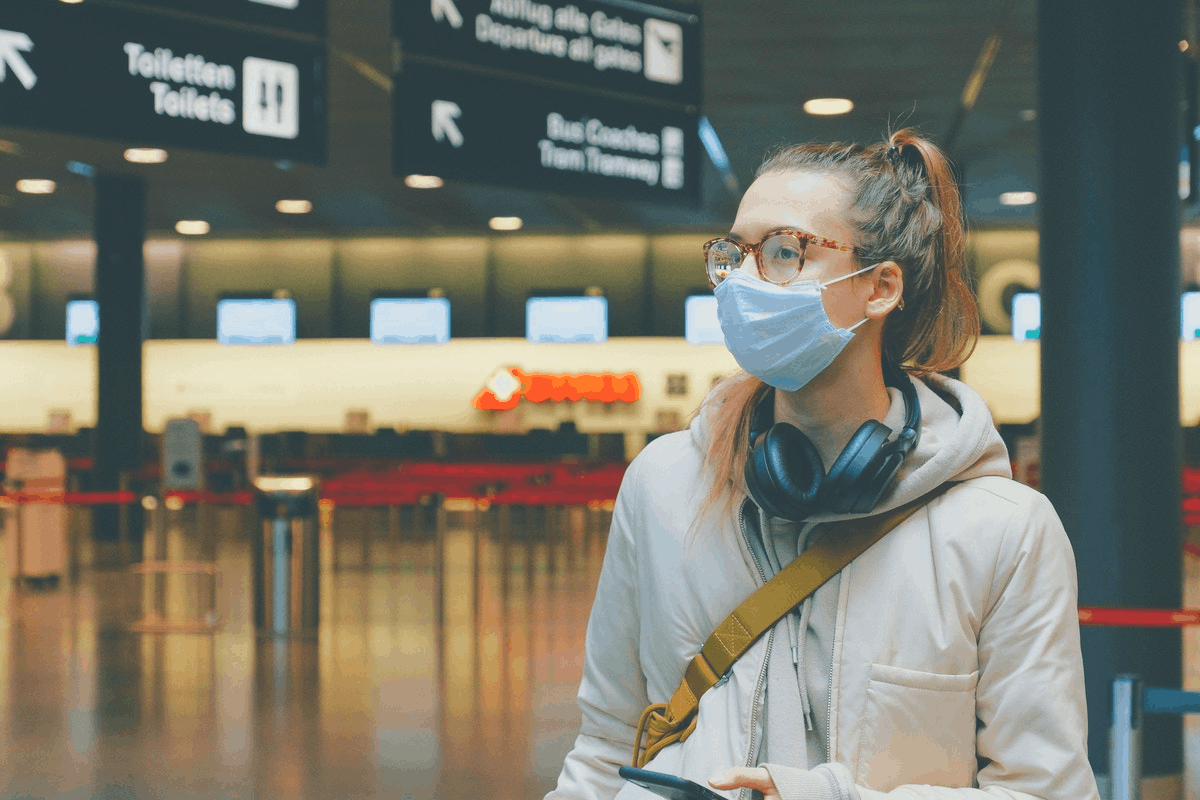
x=804, y=237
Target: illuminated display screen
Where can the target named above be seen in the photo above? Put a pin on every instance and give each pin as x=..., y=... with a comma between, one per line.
x=267, y=321
x=83, y=322
x=566, y=319
x=1189, y=314
x=1026, y=316
x=418, y=320
x=700, y=323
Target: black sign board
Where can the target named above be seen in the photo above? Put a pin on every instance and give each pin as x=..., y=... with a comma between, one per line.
x=301, y=16
x=485, y=129
x=637, y=48
x=145, y=78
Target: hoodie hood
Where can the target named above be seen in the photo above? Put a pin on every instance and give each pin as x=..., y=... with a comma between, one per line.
x=958, y=441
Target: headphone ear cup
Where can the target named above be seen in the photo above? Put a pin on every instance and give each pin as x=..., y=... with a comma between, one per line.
x=872, y=486
x=784, y=473
x=855, y=469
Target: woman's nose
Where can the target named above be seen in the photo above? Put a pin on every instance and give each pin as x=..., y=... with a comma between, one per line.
x=749, y=265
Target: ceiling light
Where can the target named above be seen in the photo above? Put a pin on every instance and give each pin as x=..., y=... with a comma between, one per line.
x=1017, y=198
x=505, y=223
x=423, y=182
x=192, y=227
x=1027, y=114
x=36, y=186
x=828, y=106
x=293, y=206
x=71, y=2
x=1183, y=45
x=145, y=155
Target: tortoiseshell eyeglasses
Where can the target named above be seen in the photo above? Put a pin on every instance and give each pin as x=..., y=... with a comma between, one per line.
x=779, y=256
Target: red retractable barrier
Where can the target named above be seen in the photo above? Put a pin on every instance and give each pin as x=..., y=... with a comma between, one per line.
x=72, y=498
x=1139, y=617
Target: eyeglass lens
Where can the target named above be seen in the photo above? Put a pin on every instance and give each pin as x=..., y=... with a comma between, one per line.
x=779, y=260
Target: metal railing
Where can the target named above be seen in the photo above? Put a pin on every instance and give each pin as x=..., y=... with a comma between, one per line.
x=1130, y=701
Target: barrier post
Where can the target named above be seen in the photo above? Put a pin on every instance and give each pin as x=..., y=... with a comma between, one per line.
x=19, y=570
x=286, y=555
x=504, y=520
x=366, y=538
x=123, y=553
x=72, y=534
x=1125, y=758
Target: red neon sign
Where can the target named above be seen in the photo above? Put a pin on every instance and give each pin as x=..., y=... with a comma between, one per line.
x=506, y=388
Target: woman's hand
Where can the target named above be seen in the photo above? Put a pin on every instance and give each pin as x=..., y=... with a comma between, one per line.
x=751, y=777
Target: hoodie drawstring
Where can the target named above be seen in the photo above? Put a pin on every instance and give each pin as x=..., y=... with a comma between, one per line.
x=799, y=628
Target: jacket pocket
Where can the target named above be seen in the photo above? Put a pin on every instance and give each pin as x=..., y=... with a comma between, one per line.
x=917, y=727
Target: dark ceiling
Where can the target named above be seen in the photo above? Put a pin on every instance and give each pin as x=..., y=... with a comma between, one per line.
x=901, y=63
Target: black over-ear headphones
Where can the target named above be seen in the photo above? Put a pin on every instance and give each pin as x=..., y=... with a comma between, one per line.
x=787, y=478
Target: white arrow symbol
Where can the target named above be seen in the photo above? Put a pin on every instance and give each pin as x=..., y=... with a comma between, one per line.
x=11, y=45
x=444, y=114
x=445, y=9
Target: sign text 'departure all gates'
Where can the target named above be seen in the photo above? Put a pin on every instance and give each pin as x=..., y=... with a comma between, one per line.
x=650, y=50
x=154, y=79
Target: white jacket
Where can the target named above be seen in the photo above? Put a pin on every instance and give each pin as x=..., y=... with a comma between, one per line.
x=955, y=669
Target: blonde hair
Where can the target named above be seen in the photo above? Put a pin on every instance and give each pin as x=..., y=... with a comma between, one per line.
x=904, y=207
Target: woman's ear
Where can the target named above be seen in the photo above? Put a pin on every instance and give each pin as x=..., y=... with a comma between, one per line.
x=889, y=290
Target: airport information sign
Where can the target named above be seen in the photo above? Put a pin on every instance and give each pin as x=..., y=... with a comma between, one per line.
x=635, y=48
x=598, y=98
x=300, y=16
x=147, y=78
x=471, y=127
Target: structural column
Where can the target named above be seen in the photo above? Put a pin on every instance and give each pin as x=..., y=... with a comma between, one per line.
x=1109, y=126
x=120, y=231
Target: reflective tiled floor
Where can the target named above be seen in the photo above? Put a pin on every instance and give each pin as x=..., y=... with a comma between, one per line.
x=432, y=677
x=445, y=667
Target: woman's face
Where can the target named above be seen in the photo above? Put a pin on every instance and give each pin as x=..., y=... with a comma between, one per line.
x=813, y=203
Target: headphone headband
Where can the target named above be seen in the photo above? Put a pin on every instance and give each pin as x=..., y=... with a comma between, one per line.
x=785, y=474
x=894, y=375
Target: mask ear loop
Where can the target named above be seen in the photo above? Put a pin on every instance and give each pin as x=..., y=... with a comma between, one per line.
x=844, y=277
x=857, y=324
x=851, y=275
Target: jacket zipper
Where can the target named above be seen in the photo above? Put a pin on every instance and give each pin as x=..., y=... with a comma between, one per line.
x=749, y=546
x=829, y=702
x=758, y=690
x=762, y=675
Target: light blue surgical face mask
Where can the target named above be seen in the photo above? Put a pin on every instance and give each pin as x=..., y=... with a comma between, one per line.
x=780, y=334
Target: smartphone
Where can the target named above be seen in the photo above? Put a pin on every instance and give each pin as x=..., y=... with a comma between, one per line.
x=669, y=786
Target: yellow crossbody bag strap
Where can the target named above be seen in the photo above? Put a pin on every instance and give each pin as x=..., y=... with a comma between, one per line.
x=663, y=724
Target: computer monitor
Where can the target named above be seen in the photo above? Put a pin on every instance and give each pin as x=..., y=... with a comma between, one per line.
x=566, y=319
x=410, y=320
x=1027, y=316
x=700, y=322
x=256, y=321
x=83, y=322
x=1189, y=316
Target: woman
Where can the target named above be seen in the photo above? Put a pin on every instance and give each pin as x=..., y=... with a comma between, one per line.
x=942, y=661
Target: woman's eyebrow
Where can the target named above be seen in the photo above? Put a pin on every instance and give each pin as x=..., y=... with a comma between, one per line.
x=778, y=229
